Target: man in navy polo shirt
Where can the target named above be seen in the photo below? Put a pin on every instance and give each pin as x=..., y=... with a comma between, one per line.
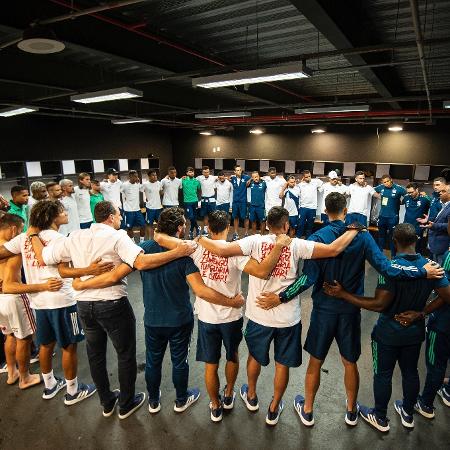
x=391, y=340
x=436, y=204
x=416, y=206
x=239, y=209
x=258, y=189
x=336, y=320
x=391, y=195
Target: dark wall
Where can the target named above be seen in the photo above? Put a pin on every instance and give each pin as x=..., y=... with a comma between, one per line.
x=425, y=145
x=39, y=138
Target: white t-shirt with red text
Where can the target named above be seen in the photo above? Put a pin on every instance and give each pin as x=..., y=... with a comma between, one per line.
x=283, y=275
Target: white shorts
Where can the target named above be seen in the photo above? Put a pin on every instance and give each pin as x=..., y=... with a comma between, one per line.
x=16, y=316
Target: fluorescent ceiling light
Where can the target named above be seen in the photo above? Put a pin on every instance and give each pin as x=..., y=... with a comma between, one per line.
x=332, y=109
x=447, y=104
x=318, y=130
x=223, y=114
x=207, y=132
x=16, y=110
x=289, y=72
x=257, y=130
x=122, y=93
x=130, y=120
x=395, y=127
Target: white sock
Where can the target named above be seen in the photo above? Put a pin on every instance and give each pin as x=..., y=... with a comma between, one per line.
x=205, y=228
x=141, y=239
x=49, y=380
x=72, y=386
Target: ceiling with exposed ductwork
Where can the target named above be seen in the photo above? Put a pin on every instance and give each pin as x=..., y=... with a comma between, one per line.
x=393, y=55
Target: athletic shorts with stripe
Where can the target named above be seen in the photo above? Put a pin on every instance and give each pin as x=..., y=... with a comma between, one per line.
x=16, y=316
x=61, y=325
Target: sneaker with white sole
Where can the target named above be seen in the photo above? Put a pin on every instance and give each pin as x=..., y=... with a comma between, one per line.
x=272, y=418
x=216, y=413
x=84, y=392
x=351, y=417
x=154, y=406
x=138, y=401
x=443, y=392
x=108, y=410
x=228, y=402
x=407, y=419
x=4, y=368
x=235, y=237
x=50, y=393
x=424, y=410
x=192, y=396
x=368, y=414
x=306, y=418
x=251, y=403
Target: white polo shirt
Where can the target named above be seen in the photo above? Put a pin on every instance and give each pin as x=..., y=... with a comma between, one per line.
x=208, y=185
x=152, y=194
x=83, y=199
x=82, y=247
x=224, y=192
x=308, y=193
x=360, y=199
x=223, y=275
x=37, y=274
x=70, y=205
x=328, y=188
x=273, y=191
x=284, y=274
x=171, y=189
x=111, y=192
x=130, y=196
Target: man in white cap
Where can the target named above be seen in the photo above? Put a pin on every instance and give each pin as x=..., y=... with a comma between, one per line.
x=332, y=185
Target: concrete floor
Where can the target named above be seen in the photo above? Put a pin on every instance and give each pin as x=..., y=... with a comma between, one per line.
x=28, y=421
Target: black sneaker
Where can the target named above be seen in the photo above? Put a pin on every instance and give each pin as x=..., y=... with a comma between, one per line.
x=139, y=400
x=108, y=410
x=273, y=417
x=216, y=413
x=228, y=402
x=154, y=406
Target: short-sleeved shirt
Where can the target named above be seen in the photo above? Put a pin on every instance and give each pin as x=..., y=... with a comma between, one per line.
x=283, y=274
x=292, y=200
x=308, y=193
x=130, y=196
x=208, y=185
x=360, y=199
x=224, y=192
x=83, y=199
x=170, y=188
x=95, y=198
x=166, y=291
x=152, y=194
x=191, y=187
x=408, y=295
x=390, y=199
x=239, y=188
x=70, y=205
x=21, y=211
x=274, y=186
x=111, y=192
x=328, y=188
x=415, y=208
x=258, y=193
x=223, y=275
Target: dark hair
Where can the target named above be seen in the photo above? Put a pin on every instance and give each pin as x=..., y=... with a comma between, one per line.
x=412, y=185
x=51, y=184
x=190, y=169
x=272, y=169
x=103, y=210
x=205, y=168
x=220, y=174
x=83, y=175
x=255, y=171
x=171, y=168
x=277, y=217
x=335, y=203
x=304, y=172
x=132, y=172
x=290, y=177
x=152, y=171
x=96, y=182
x=359, y=172
x=10, y=220
x=386, y=176
x=441, y=180
x=218, y=221
x=405, y=234
x=17, y=189
x=44, y=213
x=236, y=166
x=170, y=219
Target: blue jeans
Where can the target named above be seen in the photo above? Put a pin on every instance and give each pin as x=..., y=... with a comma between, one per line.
x=385, y=230
x=114, y=319
x=156, y=340
x=306, y=217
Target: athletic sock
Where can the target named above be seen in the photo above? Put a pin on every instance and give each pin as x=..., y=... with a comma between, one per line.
x=72, y=386
x=205, y=228
x=141, y=239
x=49, y=380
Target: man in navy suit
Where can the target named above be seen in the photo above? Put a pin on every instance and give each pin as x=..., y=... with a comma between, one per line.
x=438, y=230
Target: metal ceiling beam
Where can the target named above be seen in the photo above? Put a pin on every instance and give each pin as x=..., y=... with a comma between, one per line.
x=323, y=22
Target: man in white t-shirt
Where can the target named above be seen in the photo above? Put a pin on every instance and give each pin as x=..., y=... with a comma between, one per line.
x=70, y=205
x=274, y=185
x=332, y=185
x=220, y=324
x=152, y=191
x=308, y=203
x=208, y=188
x=111, y=188
x=83, y=199
x=282, y=325
x=290, y=195
x=131, y=205
x=171, y=186
x=224, y=192
x=360, y=199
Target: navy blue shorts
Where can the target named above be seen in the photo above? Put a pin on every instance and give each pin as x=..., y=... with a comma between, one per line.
x=293, y=222
x=325, y=326
x=61, y=325
x=207, y=207
x=211, y=336
x=239, y=211
x=223, y=207
x=85, y=225
x=287, y=343
x=134, y=219
x=190, y=209
x=152, y=215
x=257, y=213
